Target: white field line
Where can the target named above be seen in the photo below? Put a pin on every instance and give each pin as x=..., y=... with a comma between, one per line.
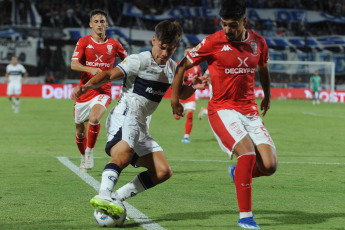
x=229, y=161
x=132, y=212
x=322, y=115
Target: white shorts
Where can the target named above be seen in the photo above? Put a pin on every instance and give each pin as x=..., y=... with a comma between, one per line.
x=120, y=127
x=230, y=127
x=189, y=105
x=14, y=89
x=82, y=110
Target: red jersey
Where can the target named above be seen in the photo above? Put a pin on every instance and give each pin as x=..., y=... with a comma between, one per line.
x=188, y=77
x=232, y=67
x=98, y=55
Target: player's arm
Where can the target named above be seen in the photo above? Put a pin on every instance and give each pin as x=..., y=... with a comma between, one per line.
x=25, y=75
x=7, y=75
x=265, y=81
x=97, y=81
x=179, y=90
x=77, y=66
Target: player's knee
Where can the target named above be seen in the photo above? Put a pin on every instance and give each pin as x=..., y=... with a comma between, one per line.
x=271, y=168
x=94, y=120
x=164, y=174
x=80, y=135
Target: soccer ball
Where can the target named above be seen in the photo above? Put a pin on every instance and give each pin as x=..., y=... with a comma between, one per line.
x=105, y=220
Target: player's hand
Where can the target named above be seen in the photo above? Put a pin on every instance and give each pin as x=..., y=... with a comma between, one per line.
x=78, y=91
x=177, y=110
x=199, y=82
x=95, y=71
x=265, y=105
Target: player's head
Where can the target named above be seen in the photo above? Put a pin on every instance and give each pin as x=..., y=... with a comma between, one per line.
x=98, y=21
x=316, y=73
x=167, y=37
x=14, y=60
x=233, y=19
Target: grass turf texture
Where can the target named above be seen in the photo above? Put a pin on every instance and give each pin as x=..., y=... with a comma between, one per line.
x=38, y=192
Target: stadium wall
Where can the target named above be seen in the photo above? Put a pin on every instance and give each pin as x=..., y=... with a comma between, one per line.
x=63, y=91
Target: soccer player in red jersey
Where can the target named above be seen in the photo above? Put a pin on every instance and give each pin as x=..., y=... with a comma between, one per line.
x=189, y=104
x=233, y=54
x=93, y=54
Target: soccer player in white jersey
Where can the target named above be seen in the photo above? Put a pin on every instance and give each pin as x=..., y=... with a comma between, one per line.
x=93, y=54
x=147, y=77
x=15, y=76
x=232, y=55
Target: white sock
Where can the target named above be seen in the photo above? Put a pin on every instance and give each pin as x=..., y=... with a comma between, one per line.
x=109, y=179
x=129, y=190
x=186, y=136
x=245, y=214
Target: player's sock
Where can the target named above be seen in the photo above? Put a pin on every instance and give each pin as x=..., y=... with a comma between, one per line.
x=139, y=184
x=258, y=173
x=93, y=134
x=111, y=173
x=189, y=123
x=81, y=143
x=243, y=181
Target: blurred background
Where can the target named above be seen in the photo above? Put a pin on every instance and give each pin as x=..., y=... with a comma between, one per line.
x=43, y=33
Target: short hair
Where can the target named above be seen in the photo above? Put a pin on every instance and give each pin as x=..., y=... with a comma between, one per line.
x=98, y=11
x=169, y=32
x=233, y=9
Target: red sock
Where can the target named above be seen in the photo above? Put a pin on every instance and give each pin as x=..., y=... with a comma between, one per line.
x=257, y=172
x=243, y=181
x=81, y=143
x=189, y=123
x=93, y=134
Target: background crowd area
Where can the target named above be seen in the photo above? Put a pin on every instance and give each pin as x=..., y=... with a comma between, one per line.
x=60, y=14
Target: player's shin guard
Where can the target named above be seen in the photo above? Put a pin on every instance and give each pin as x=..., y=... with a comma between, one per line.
x=93, y=134
x=189, y=123
x=243, y=181
x=81, y=143
x=110, y=175
x=139, y=184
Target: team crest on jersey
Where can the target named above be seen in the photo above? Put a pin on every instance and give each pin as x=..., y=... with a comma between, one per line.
x=110, y=48
x=254, y=47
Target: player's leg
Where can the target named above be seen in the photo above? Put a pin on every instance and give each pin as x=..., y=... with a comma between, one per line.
x=10, y=92
x=189, y=108
x=314, y=97
x=158, y=171
x=266, y=160
x=233, y=137
x=120, y=158
x=188, y=125
x=318, y=97
x=81, y=141
x=203, y=112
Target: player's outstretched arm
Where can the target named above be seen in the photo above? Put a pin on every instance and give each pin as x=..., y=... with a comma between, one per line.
x=177, y=87
x=97, y=81
x=77, y=66
x=265, y=81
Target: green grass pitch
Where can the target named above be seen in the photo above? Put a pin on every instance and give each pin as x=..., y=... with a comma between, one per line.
x=307, y=191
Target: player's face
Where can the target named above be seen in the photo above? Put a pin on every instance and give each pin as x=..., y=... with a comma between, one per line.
x=14, y=60
x=98, y=24
x=234, y=29
x=162, y=52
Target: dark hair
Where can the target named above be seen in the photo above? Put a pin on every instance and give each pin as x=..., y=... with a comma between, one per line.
x=169, y=32
x=98, y=11
x=232, y=9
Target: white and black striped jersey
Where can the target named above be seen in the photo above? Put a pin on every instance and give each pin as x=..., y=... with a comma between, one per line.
x=144, y=85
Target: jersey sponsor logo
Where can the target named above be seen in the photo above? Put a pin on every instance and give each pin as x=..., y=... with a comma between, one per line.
x=151, y=90
x=240, y=69
x=242, y=61
x=98, y=58
x=225, y=48
x=97, y=64
x=90, y=46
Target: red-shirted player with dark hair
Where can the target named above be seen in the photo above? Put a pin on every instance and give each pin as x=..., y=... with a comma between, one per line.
x=189, y=104
x=93, y=54
x=232, y=55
